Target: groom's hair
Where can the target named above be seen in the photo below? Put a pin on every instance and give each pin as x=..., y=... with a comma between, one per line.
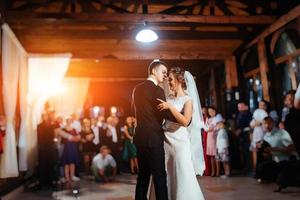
x=155, y=63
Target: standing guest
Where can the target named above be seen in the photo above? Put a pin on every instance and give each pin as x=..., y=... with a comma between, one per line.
x=97, y=136
x=60, y=121
x=207, y=171
x=290, y=175
x=70, y=157
x=292, y=124
x=265, y=105
x=101, y=122
x=104, y=166
x=297, y=98
x=45, y=136
x=76, y=122
x=129, y=152
x=59, y=146
x=244, y=118
x=2, y=131
x=112, y=138
x=288, y=104
x=222, y=154
x=87, y=144
x=258, y=133
x=211, y=139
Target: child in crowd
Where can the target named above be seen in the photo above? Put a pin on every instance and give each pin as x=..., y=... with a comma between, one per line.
x=222, y=144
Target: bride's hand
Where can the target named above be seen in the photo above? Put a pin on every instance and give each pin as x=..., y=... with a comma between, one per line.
x=163, y=105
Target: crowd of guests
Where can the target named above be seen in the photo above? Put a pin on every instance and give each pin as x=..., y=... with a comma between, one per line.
x=261, y=144
x=72, y=146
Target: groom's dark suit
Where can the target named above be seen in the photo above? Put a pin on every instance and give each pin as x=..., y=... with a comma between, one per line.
x=149, y=138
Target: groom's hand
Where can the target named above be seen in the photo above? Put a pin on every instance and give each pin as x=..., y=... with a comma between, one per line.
x=163, y=105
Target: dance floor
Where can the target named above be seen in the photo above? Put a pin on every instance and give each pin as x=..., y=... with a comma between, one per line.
x=235, y=187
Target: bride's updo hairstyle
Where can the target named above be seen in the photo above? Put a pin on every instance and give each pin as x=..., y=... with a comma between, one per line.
x=179, y=75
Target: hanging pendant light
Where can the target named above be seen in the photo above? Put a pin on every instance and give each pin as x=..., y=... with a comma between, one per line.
x=146, y=35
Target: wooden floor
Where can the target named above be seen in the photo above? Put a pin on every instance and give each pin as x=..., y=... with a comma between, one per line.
x=235, y=187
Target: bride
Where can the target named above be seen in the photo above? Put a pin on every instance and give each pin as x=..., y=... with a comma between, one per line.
x=185, y=106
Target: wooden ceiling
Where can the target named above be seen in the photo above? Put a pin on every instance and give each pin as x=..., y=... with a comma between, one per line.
x=105, y=29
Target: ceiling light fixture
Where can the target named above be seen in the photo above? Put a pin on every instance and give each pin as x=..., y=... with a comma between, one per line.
x=146, y=35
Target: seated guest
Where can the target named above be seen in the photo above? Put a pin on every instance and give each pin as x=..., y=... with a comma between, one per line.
x=281, y=149
x=104, y=166
x=290, y=175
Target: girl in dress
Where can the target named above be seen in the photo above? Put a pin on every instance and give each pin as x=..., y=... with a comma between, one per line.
x=222, y=154
x=129, y=148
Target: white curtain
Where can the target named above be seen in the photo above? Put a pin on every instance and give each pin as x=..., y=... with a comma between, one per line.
x=13, y=57
x=70, y=96
x=25, y=131
x=45, y=73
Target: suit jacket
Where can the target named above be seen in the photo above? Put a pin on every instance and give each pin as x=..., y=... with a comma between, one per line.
x=107, y=139
x=149, y=132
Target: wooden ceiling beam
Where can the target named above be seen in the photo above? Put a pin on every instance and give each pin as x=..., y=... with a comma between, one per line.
x=136, y=55
x=102, y=34
x=137, y=18
x=283, y=20
x=112, y=6
x=44, y=43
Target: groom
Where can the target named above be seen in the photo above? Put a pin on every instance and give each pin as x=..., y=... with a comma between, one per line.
x=149, y=135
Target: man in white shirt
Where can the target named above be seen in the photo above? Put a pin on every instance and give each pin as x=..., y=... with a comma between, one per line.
x=281, y=148
x=104, y=166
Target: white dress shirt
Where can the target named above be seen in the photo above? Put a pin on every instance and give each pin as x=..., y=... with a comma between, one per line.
x=113, y=132
x=101, y=162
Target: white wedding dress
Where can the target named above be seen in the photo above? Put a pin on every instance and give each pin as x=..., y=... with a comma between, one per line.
x=181, y=177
